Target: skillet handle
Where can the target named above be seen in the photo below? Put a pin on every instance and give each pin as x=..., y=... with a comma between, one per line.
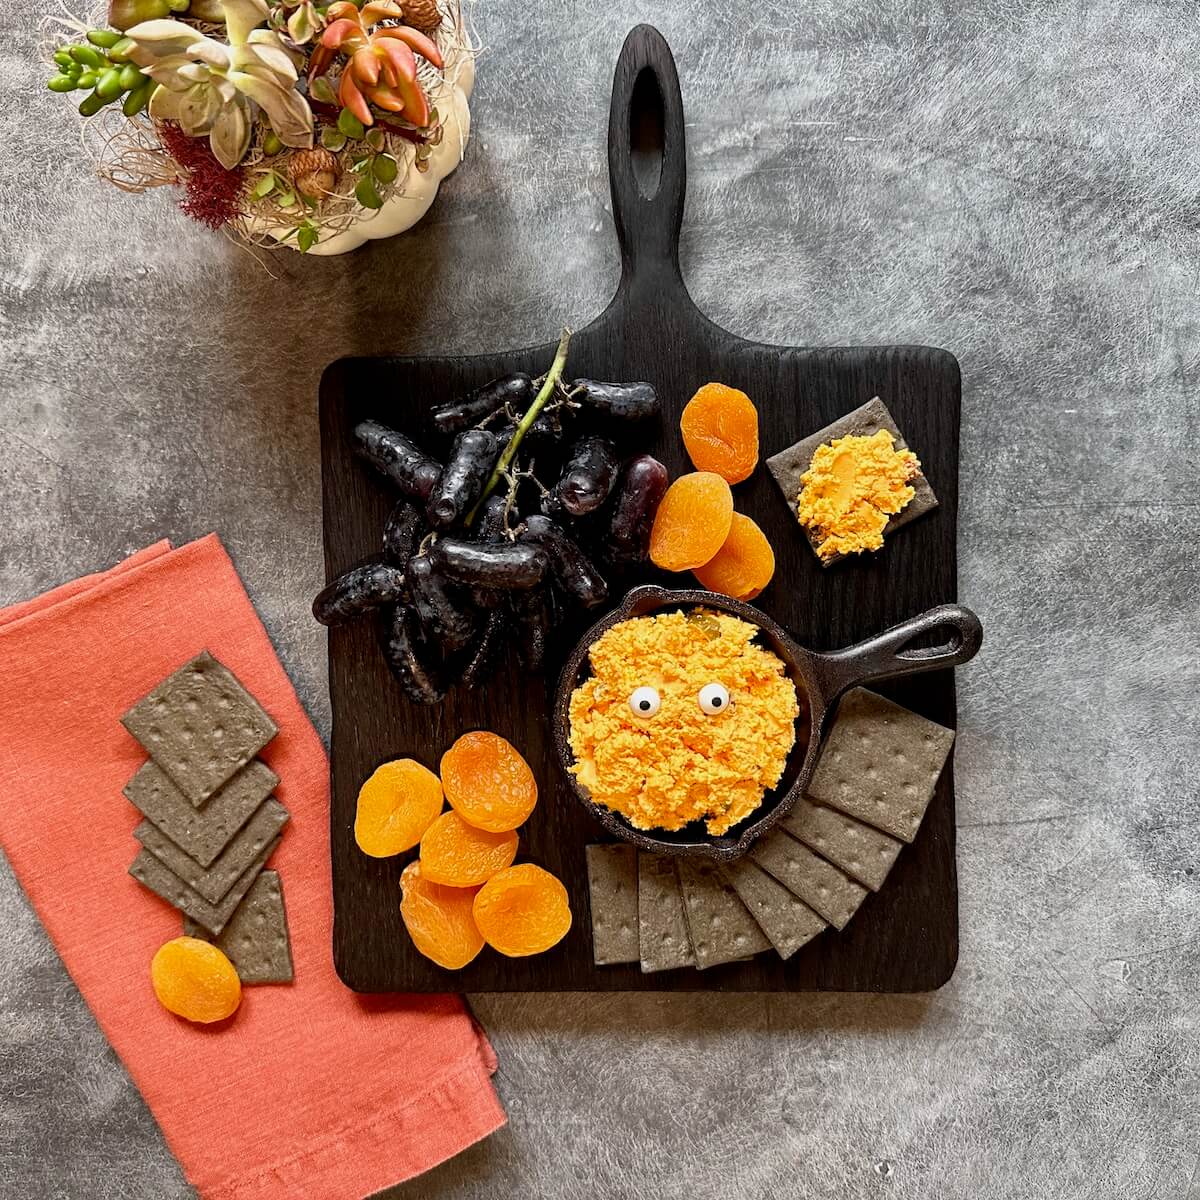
x=885, y=657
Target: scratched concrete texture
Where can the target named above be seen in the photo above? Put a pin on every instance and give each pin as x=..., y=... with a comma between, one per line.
x=1013, y=180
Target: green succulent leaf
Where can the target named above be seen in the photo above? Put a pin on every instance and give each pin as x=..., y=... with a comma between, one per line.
x=307, y=237
x=268, y=60
x=264, y=187
x=91, y=105
x=242, y=17
x=106, y=39
x=350, y=125
x=198, y=110
x=366, y=194
x=108, y=85
x=321, y=89
x=138, y=98
x=385, y=168
x=333, y=139
x=302, y=24
x=122, y=14
x=230, y=136
x=154, y=41
x=89, y=56
x=290, y=116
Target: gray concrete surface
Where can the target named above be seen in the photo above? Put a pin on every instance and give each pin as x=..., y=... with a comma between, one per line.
x=1016, y=181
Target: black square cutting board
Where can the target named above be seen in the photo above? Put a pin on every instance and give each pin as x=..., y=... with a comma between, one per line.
x=904, y=938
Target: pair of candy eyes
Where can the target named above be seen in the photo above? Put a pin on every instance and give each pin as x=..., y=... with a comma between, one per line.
x=713, y=698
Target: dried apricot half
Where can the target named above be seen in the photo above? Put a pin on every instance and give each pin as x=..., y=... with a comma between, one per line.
x=459, y=855
x=488, y=783
x=744, y=564
x=195, y=980
x=439, y=919
x=395, y=807
x=720, y=431
x=692, y=521
x=522, y=910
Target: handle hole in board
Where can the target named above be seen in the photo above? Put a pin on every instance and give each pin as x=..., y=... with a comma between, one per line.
x=647, y=133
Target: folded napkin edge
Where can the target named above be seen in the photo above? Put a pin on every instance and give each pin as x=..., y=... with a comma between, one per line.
x=60, y=603
x=60, y=593
x=321, y=1171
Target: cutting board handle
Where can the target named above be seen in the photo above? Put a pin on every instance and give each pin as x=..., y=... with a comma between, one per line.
x=647, y=161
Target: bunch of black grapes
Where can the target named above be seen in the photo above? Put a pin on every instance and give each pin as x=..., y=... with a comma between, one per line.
x=530, y=512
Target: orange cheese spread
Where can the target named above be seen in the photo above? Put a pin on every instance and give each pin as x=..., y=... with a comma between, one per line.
x=852, y=487
x=685, y=718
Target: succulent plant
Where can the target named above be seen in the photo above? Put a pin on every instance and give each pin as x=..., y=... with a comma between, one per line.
x=381, y=67
x=100, y=66
x=211, y=88
x=301, y=18
x=123, y=14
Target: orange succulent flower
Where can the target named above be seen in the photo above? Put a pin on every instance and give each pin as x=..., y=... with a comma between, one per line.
x=382, y=65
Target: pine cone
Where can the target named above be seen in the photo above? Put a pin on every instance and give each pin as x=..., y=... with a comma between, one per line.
x=314, y=173
x=421, y=14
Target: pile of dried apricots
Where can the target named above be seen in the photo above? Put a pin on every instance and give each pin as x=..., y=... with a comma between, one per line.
x=463, y=890
x=696, y=528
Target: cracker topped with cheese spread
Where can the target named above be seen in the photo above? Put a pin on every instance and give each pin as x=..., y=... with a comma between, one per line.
x=684, y=718
x=852, y=484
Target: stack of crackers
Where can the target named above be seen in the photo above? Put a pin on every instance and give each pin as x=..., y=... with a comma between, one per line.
x=211, y=821
x=875, y=778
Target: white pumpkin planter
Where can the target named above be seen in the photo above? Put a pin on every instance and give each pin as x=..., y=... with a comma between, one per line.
x=414, y=194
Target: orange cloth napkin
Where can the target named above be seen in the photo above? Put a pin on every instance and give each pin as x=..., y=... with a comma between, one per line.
x=310, y=1091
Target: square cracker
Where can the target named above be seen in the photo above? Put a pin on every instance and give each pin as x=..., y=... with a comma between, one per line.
x=819, y=884
x=150, y=873
x=201, y=726
x=788, y=465
x=214, y=882
x=256, y=939
x=202, y=832
x=863, y=853
x=663, y=939
x=613, y=889
x=881, y=763
x=785, y=919
x=721, y=926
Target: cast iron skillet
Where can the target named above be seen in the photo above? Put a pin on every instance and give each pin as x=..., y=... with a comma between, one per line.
x=820, y=680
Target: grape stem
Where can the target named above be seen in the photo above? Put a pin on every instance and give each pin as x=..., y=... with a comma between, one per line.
x=513, y=480
x=549, y=384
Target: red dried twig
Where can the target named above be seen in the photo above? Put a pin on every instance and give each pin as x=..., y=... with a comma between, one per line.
x=213, y=193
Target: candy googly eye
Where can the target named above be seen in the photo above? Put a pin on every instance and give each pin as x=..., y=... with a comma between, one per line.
x=645, y=702
x=713, y=698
